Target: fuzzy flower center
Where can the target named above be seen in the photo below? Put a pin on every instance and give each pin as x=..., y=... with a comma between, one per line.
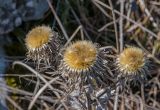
x=80, y=55
x=131, y=60
x=38, y=36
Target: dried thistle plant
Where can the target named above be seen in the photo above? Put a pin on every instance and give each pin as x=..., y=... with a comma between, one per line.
x=42, y=44
x=84, y=71
x=82, y=59
x=132, y=63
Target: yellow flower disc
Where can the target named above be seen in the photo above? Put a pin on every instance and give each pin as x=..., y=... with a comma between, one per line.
x=38, y=36
x=80, y=55
x=131, y=60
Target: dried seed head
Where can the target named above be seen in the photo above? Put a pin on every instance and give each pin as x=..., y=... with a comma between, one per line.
x=38, y=37
x=80, y=56
x=131, y=61
x=82, y=63
x=42, y=44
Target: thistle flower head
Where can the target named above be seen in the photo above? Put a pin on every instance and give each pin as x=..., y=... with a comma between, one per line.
x=131, y=61
x=82, y=62
x=38, y=37
x=42, y=44
x=80, y=56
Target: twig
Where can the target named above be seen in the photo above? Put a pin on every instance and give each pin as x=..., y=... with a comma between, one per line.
x=13, y=103
x=58, y=20
x=36, y=73
x=115, y=25
x=116, y=98
x=121, y=25
x=149, y=54
x=82, y=34
x=144, y=8
x=73, y=35
x=37, y=85
x=142, y=93
x=39, y=92
x=106, y=25
x=27, y=94
x=126, y=17
x=77, y=19
x=114, y=21
x=57, y=8
x=102, y=10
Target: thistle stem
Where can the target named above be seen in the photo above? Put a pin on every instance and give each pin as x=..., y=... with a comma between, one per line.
x=116, y=98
